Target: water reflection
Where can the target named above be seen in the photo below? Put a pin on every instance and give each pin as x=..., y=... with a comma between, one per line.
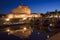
x=22, y=31
x=26, y=31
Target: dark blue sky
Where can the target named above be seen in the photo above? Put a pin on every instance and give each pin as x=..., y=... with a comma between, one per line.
x=36, y=6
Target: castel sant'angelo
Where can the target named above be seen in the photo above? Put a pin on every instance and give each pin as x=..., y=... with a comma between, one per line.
x=22, y=11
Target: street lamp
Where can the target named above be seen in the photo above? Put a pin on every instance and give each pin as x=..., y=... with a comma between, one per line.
x=9, y=31
x=7, y=19
x=24, y=28
x=24, y=18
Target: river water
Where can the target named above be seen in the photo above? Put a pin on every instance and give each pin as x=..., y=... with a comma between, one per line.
x=25, y=32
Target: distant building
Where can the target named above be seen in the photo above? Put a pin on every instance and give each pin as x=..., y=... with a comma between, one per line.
x=22, y=12
x=55, y=14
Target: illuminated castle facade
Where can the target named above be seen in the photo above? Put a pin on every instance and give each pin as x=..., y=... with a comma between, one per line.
x=22, y=12
x=21, y=9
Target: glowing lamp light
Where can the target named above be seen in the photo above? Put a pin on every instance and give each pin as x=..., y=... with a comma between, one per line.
x=7, y=30
x=47, y=36
x=7, y=19
x=36, y=15
x=51, y=16
x=24, y=28
x=56, y=16
x=24, y=18
x=50, y=24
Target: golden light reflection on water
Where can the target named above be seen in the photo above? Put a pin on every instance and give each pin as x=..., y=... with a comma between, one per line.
x=23, y=32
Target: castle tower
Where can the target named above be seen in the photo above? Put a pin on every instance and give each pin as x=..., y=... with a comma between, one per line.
x=21, y=9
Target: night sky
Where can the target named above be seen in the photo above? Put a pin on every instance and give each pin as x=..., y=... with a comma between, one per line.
x=36, y=6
